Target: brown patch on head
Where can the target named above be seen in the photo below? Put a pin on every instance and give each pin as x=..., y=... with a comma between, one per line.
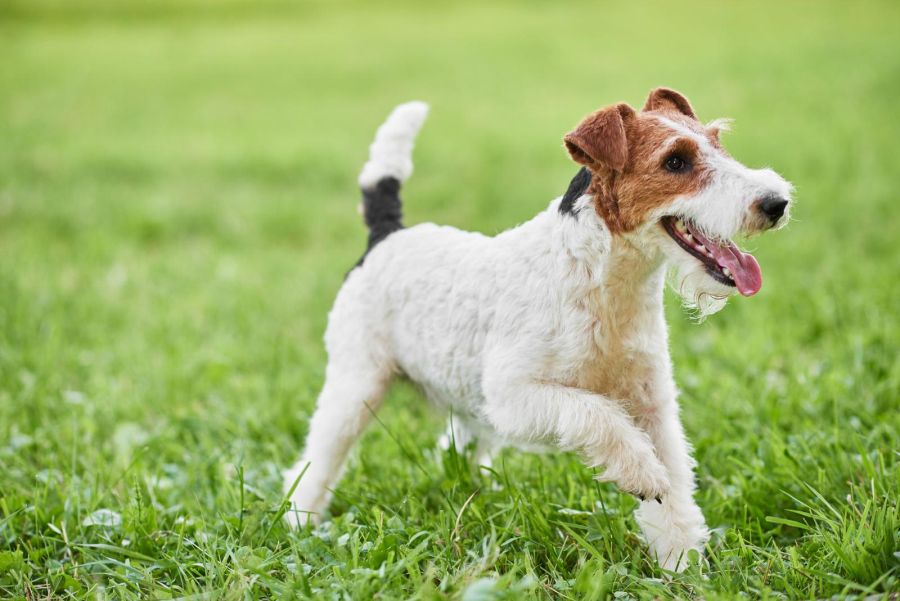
x=628, y=152
x=647, y=183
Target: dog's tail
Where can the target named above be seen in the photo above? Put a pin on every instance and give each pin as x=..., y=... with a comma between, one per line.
x=389, y=165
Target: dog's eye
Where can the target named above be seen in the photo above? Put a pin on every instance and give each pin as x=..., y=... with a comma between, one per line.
x=676, y=164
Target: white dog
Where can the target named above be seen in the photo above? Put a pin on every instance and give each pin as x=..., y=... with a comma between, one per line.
x=551, y=332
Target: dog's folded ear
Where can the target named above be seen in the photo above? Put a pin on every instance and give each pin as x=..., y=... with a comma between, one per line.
x=600, y=140
x=662, y=99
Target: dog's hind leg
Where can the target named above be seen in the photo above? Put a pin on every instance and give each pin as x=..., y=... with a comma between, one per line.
x=359, y=363
x=354, y=388
x=461, y=432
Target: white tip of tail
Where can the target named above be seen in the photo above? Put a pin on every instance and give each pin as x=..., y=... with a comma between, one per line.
x=390, y=155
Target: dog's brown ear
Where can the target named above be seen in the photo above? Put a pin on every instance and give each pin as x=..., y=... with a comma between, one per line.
x=599, y=140
x=664, y=98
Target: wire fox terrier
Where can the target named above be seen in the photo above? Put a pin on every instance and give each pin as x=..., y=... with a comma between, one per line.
x=550, y=333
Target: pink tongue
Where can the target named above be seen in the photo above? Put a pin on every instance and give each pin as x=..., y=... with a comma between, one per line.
x=744, y=269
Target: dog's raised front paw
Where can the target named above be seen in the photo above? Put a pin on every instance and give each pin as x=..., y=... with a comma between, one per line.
x=646, y=479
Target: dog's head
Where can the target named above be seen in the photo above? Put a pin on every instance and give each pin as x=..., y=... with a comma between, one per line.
x=661, y=179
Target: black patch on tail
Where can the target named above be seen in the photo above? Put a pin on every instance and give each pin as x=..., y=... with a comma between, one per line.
x=382, y=211
x=577, y=188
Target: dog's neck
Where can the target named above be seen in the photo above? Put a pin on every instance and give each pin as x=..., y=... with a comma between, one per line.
x=612, y=275
x=601, y=258
x=629, y=264
x=627, y=283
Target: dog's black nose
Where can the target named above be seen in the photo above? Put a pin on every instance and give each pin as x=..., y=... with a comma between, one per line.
x=772, y=207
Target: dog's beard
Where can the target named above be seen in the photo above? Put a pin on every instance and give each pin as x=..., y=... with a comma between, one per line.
x=699, y=292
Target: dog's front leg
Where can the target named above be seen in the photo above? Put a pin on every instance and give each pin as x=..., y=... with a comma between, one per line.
x=676, y=526
x=577, y=420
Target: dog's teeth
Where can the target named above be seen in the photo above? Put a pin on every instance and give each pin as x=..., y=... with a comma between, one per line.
x=688, y=237
x=726, y=271
x=679, y=225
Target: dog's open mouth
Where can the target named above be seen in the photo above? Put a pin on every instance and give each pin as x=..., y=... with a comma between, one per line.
x=723, y=260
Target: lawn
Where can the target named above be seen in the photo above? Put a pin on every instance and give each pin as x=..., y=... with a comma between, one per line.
x=178, y=210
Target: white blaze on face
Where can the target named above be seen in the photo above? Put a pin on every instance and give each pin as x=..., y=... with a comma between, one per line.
x=724, y=206
x=722, y=209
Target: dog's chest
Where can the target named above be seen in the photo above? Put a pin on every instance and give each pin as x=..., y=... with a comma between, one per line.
x=622, y=374
x=621, y=352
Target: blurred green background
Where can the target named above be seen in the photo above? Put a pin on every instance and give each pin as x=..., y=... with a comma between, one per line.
x=178, y=210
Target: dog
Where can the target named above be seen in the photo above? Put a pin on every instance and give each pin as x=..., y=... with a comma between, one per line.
x=552, y=332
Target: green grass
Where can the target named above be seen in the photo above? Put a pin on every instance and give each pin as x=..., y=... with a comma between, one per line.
x=177, y=212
